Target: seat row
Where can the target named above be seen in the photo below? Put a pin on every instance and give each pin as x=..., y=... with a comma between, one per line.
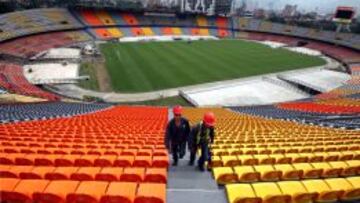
x=279, y=153
x=308, y=146
x=84, y=160
x=70, y=191
x=277, y=172
x=127, y=174
x=91, y=144
x=97, y=150
x=305, y=191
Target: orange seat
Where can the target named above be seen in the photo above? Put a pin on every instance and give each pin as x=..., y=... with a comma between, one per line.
x=25, y=189
x=37, y=172
x=8, y=159
x=7, y=187
x=109, y=174
x=142, y=161
x=160, y=161
x=85, y=160
x=105, y=160
x=133, y=175
x=66, y=160
x=85, y=173
x=151, y=193
x=88, y=192
x=160, y=152
x=56, y=191
x=156, y=175
x=5, y=172
x=120, y=192
x=124, y=161
x=61, y=173
x=48, y=160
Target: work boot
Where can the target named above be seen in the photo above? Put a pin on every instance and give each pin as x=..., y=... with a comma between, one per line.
x=191, y=163
x=201, y=168
x=175, y=163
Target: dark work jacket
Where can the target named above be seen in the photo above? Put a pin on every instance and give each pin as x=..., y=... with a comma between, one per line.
x=195, y=131
x=176, y=134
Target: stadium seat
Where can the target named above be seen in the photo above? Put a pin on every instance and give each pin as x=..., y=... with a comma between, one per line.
x=109, y=174
x=347, y=192
x=323, y=191
x=247, y=174
x=156, y=175
x=224, y=175
x=133, y=175
x=241, y=193
x=268, y=173
x=120, y=192
x=88, y=191
x=289, y=172
x=270, y=192
x=85, y=173
x=56, y=191
x=7, y=187
x=151, y=193
x=297, y=191
x=24, y=190
x=308, y=170
x=61, y=173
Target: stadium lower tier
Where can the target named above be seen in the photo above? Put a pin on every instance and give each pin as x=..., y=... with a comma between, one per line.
x=118, y=154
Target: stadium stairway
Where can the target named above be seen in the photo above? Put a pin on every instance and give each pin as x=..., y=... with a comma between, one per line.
x=187, y=184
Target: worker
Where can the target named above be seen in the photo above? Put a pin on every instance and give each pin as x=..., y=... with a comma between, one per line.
x=177, y=134
x=201, y=137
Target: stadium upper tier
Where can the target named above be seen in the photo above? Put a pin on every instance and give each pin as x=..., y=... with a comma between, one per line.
x=112, y=24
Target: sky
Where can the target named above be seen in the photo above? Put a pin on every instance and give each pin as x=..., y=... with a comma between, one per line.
x=321, y=6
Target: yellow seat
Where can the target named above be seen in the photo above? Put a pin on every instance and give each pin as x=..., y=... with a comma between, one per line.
x=268, y=173
x=247, y=174
x=298, y=192
x=289, y=172
x=224, y=175
x=355, y=182
x=248, y=160
x=216, y=161
x=280, y=159
x=230, y=161
x=328, y=171
x=324, y=192
x=264, y=159
x=346, y=170
x=270, y=193
x=348, y=191
x=355, y=164
x=241, y=193
x=308, y=170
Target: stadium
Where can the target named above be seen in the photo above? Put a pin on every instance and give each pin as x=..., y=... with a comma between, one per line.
x=87, y=89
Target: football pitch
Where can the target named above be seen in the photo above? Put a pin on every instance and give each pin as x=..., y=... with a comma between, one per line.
x=149, y=66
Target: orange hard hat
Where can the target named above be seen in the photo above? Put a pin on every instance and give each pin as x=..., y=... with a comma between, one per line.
x=209, y=119
x=177, y=110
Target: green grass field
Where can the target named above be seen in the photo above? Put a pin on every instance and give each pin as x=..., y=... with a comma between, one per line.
x=142, y=67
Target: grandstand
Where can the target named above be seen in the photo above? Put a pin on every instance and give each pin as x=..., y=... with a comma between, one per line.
x=282, y=135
